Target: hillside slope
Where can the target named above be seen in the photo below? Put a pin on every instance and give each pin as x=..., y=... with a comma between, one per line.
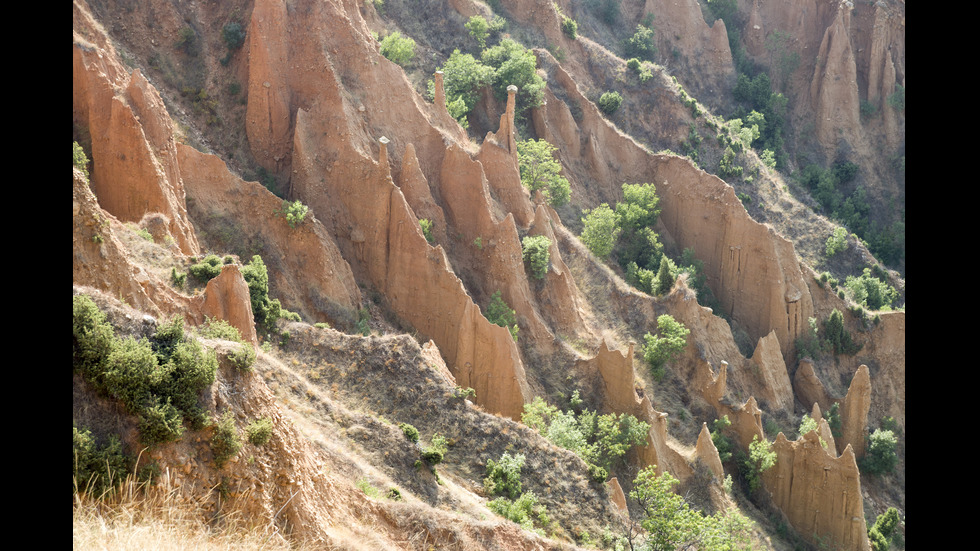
x=177, y=123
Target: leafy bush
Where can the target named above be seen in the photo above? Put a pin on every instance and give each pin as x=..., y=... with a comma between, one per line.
x=265, y=310
x=666, y=345
x=503, y=478
x=541, y=171
x=426, y=226
x=178, y=279
x=464, y=77
x=897, y=99
x=514, y=64
x=600, y=440
x=728, y=167
x=870, y=291
x=92, y=337
x=537, y=254
x=233, y=35
x=640, y=45
x=665, y=279
x=721, y=441
x=609, y=102
x=837, y=335
x=883, y=529
x=569, y=26
x=293, y=211
x=836, y=242
x=158, y=380
x=225, y=443
x=434, y=454
x=670, y=523
x=259, y=431
x=243, y=357
x=600, y=230
x=206, y=270
x=880, y=456
x=761, y=458
x=410, y=432
x=79, y=159
x=398, y=49
x=479, y=29
x=96, y=469
x=499, y=313
x=525, y=510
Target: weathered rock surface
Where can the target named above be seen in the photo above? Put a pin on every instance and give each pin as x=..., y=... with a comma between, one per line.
x=131, y=144
x=854, y=413
x=819, y=492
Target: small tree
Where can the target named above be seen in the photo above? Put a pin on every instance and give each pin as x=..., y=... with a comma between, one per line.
x=293, y=211
x=479, y=29
x=640, y=45
x=665, y=279
x=761, y=459
x=666, y=345
x=836, y=242
x=600, y=231
x=537, y=254
x=880, y=457
x=541, y=171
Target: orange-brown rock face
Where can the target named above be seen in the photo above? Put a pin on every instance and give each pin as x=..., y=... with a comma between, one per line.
x=808, y=387
x=227, y=298
x=707, y=453
x=308, y=272
x=133, y=152
x=854, y=412
x=775, y=386
x=819, y=492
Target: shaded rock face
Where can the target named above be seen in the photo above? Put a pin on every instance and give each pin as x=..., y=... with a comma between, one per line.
x=227, y=298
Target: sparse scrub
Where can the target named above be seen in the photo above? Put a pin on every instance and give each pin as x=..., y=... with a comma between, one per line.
x=206, y=270
x=410, y=432
x=97, y=469
x=426, y=226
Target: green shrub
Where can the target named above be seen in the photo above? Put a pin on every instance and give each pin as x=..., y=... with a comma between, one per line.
x=600, y=440
x=883, y=529
x=259, y=431
x=662, y=348
x=426, y=226
x=537, y=254
x=897, y=99
x=665, y=278
x=97, y=470
x=728, y=167
x=640, y=45
x=160, y=422
x=233, y=35
x=721, y=440
x=293, y=211
x=880, y=456
x=525, y=510
x=178, y=279
x=633, y=64
x=207, y=269
x=837, y=335
x=243, y=357
x=600, y=230
x=541, y=171
x=609, y=102
x=79, y=159
x=832, y=416
x=479, y=29
x=503, y=478
x=499, y=313
x=225, y=443
x=434, y=454
x=871, y=291
x=464, y=77
x=92, y=337
x=513, y=64
x=398, y=49
x=761, y=458
x=410, y=432
x=215, y=328
x=569, y=26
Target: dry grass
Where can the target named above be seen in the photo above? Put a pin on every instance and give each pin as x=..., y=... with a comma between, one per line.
x=159, y=518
